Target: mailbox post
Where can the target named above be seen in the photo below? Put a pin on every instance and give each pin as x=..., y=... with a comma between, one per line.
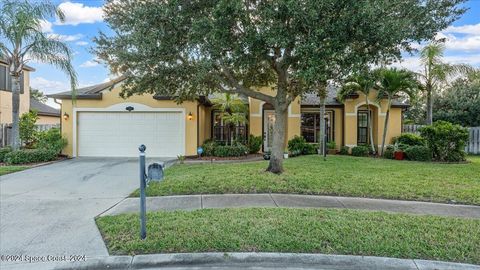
x=155, y=173
x=143, y=183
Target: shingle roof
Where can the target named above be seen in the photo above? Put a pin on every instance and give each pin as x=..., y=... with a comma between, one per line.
x=312, y=99
x=93, y=91
x=43, y=109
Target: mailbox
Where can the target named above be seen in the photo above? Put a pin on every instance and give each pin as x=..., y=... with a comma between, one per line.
x=155, y=172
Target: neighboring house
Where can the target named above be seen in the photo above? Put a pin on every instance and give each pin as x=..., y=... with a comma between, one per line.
x=6, y=92
x=100, y=123
x=46, y=114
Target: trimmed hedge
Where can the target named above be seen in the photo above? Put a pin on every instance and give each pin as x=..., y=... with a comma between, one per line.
x=446, y=141
x=360, y=151
x=30, y=156
x=344, y=150
x=209, y=148
x=418, y=153
x=230, y=150
x=299, y=146
x=51, y=140
x=389, y=152
x=409, y=139
x=4, y=152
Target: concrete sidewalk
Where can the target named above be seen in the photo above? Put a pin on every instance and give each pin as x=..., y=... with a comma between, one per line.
x=193, y=202
x=252, y=261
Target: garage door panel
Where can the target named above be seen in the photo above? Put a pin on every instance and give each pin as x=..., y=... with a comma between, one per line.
x=120, y=134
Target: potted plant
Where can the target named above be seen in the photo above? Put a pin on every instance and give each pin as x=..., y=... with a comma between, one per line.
x=399, y=153
x=266, y=155
x=332, y=148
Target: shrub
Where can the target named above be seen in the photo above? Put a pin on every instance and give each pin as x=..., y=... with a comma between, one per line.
x=30, y=156
x=389, y=152
x=445, y=140
x=418, y=153
x=360, y=151
x=28, y=132
x=209, y=148
x=409, y=139
x=51, y=140
x=310, y=149
x=331, y=145
x=297, y=144
x=254, y=144
x=344, y=150
x=4, y=152
x=235, y=150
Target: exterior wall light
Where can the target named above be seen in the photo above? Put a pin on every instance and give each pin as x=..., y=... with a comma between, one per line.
x=66, y=116
x=190, y=116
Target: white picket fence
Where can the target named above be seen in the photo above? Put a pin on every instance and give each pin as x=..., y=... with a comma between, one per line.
x=473, y=144
x=5, y=130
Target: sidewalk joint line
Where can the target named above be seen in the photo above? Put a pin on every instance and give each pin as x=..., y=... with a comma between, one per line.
x=415, y=263
x=201, y=201
x=338, y=200
x=274, y=202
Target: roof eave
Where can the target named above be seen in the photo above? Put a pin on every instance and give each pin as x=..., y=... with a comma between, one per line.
x=84, y=96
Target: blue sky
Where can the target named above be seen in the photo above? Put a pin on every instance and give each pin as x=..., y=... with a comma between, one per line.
x=84, y=21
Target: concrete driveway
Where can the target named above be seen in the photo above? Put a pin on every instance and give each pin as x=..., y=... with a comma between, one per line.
x=50, y=210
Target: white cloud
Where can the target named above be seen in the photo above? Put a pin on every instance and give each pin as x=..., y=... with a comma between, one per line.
x=49, y=86
x=469, y=29
x=46, y=26
x=462, y=38
x=89, y=63
x=413, y=63
x=81, y=43
x=66, y=38
x=77, y=13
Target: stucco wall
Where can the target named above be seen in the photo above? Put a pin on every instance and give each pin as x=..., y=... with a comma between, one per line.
x=112, y=97
x=256, y=115
x=6, y=101
x=378, y=118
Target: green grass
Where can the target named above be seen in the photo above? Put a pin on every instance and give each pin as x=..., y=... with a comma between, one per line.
x=11, y=169
x=339, y=175
x=296, y=230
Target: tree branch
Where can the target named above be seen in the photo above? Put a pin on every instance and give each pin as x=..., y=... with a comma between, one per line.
x=230, y=80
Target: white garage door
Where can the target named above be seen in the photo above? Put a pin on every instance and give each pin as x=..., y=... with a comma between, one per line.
x=118, y=134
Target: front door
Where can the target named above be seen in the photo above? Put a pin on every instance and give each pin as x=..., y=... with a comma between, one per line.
x=268, y=123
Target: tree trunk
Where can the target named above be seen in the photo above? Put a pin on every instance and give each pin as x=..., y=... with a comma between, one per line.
x=385, y=127
x=321, y=141
x=370, y=126
x=278, y=143
x=429, y=120
x=15, y=142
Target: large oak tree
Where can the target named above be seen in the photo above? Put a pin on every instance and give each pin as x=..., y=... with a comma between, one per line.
x=187, y=48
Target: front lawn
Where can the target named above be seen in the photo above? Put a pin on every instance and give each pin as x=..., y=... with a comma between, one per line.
x=339, y=175
x=11, y=169
x=296, y=230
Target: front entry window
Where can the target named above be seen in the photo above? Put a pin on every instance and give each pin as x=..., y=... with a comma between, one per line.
x=226, y=133
x=310, y=126
x=362, y=124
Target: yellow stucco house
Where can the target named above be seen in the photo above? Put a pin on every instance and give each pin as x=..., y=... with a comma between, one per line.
x=6, y=93
x=100, y=123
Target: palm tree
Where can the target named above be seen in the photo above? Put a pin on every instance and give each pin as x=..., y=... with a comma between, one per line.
x=435, y=73
x=22, y=40
x=233, y=111
x=392, y=83
x=362, y=82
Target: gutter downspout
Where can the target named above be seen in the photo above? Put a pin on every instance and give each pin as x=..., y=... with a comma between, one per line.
x=61, y=107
